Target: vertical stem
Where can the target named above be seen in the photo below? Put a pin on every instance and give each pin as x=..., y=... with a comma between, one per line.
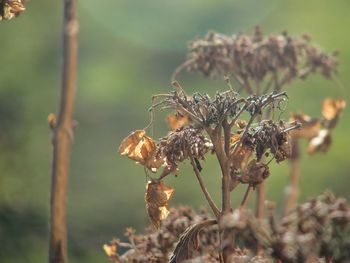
x=260, y=201
x=292, y=189
x=62, y=138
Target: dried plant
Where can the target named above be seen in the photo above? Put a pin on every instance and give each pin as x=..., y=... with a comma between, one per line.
x=245, y=136
x=316, y=231
x=261, y=63
x=10, y=9
x=253, y=60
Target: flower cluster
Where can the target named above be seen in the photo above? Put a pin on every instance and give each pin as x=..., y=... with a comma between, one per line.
x=319, y=228
x=179, y=145
x=257, y=56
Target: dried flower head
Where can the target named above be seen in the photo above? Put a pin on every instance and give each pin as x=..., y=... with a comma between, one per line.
x=272, y=136
x=257, y=56
x=11, y=8
x=181, y=144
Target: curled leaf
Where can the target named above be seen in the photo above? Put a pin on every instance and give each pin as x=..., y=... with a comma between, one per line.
x=321, y=142
x=140, y=148
x=331, y=110
x=11, y=8
x=242, y=154
x=177, y=121
x=189, y=241
x=157, y=198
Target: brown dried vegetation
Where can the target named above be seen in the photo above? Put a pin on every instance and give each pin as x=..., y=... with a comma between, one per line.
x=201, y=125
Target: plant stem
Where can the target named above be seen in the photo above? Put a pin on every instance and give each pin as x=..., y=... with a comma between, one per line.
x=210, y=201
x=62, y=138
x=292, y=189
x=260, y=201
x=245, y=198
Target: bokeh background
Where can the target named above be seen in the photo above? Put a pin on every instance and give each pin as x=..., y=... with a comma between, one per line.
x=128, y=50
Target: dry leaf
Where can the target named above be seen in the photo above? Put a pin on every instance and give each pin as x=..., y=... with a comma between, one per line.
x=331, y=110
x=11, y=8
x=332, y=107
x=157, y=198
x=243, y=153
x=140, y=148
x=309, y=126
x=321, y=142
x=189, y=241
x=177, y=121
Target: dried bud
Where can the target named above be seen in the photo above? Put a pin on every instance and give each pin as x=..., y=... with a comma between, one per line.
x=180, y=144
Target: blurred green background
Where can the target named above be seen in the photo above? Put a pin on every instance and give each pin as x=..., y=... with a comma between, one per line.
x=128, y=50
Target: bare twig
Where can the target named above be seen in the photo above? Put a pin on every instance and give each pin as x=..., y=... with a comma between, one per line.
x=245, y=198
x=181, y=67
x=62, y=138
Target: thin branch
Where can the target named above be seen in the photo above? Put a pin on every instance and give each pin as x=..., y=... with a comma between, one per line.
x=245, y=198
x=210, y=201
x=62, y=138
x=237, y=116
